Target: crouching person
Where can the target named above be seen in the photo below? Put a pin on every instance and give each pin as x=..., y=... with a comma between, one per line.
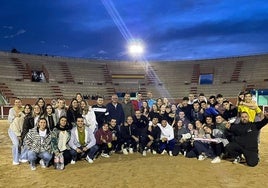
x=38, y=142
x=104, y=140
x=60, y=137
x=82, y=142
x=167, y=138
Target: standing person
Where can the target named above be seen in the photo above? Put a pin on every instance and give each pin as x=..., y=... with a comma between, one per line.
x=36, y=114
x=153, y=112
x=38, y=143
x=219, y=104
x=50, y=117
x=245, y=140
x=42, y=103
x=60, y=137
x=191, y=98
x=115, y=110
x=127, y=105
x=150, y=99
x=104, y=140
x=142, y=124
x=250, y=106
x=15, y=119
x=73, y=112
x=138, y=102
x=60, y=110
x=79, y=97
x=82, y=142
x=230, y=112
x=196, y=113
x=100, y=111
x=145, y=109
x=89, y=116
x=27, y=125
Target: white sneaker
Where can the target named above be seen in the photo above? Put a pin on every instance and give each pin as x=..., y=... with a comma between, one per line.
x=125, y=152
x=73, y=161
x=23, y=160
x=130, y=150
x=170, y=153
x=15, y=163
x=201, y=157
x=42, y=163
x=89, y=160
x=154, y=152
x=105, y=155
x=144, y=153
x=33, y=168
x=237, y=160
x=163, y=152
x=216, y=160
x=148, y=150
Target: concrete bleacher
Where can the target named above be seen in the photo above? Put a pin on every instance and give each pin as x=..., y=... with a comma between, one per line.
x=67, y=76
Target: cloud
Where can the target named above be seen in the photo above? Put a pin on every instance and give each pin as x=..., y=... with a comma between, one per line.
x=8, y=27
x=19, y=32
x=102, y=52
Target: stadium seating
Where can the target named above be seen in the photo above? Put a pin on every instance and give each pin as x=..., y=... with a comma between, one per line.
x=66, y=76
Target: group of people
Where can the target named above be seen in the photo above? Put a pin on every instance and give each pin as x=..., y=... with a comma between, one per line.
x=197, y=127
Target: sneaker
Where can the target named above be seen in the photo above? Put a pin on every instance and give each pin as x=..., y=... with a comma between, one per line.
x=237, y=160
x=125, y=152
x=201, y=157
x=216, y=160
x=154, y=152
x=15, y=163
x=148, y=150
x=73, y=161
x=33, y=168
x=131, y=150
x=42, y=163
x=185, y=153
x=144, y=153
x=89, y=160
x=105, y=155
x=61, y=166
x=23, y=160
x=163, y=152
x=170, y=153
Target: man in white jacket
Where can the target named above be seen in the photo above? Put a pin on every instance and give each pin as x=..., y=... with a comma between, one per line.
x=82, y=142
x=167, y=137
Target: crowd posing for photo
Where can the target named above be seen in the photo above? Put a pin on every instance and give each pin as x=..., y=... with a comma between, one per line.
x=198, y=127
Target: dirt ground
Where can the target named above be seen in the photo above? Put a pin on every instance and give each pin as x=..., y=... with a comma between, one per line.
x=134, y=170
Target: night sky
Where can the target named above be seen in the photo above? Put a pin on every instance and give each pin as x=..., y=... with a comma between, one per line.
x=169, y=29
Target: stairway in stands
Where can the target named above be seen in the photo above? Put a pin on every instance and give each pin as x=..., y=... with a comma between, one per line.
x=150, y=75
x=57, y=91
x=236, y=74
x=66, y=72
x=195, y=78
x=24, y=71
x=110, y=90
x=6, y=91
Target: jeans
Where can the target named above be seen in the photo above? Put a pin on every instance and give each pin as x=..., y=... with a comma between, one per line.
x=169, y=146
x=15, y=146
x=32, y=156
x=90, y=152
x=24, y=153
